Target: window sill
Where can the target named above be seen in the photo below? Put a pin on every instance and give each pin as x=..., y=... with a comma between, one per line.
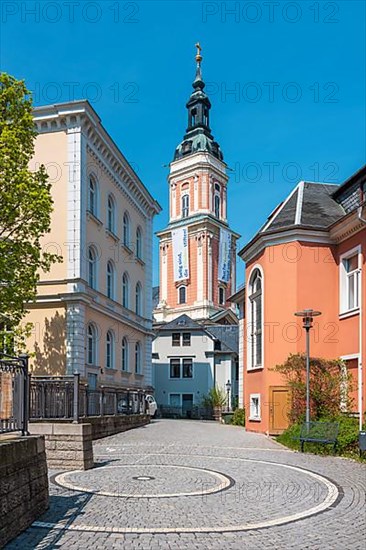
x=349, y=313
x=94, y=218
x=126, y=372
x=140, y=261
x=109, y=370
x=127, y=248
x=254, y=419
x=112, y=235
x=254, y=369
x=139, y=375
x=94, y=367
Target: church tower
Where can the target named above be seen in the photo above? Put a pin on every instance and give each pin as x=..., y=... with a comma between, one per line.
x=197, y=248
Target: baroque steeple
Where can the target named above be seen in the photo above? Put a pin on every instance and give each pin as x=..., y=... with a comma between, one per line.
x=198, y=135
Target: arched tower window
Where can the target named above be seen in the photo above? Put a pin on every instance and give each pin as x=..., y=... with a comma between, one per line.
x=255, y=320
x=185, y=206
x=222, y=299
x=182, y=295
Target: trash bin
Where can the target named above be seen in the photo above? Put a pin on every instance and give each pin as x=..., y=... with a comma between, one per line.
x=362, y=441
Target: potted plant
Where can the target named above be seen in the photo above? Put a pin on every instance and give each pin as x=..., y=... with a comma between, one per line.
x=216, y=399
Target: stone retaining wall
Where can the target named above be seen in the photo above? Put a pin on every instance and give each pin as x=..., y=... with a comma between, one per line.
x=103, y=426
x=68, y=445
x=23, y=484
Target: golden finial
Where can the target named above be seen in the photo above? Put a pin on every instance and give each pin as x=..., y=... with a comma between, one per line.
x=198, y=54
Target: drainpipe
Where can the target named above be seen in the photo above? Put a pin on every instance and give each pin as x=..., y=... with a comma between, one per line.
x=360, y=370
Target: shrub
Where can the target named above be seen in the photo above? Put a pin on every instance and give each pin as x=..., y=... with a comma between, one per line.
x=347, y=441
x=216, y=397
x=238, y=417
x=329, y=386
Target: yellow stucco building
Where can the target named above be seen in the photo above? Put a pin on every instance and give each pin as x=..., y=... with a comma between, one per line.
x=93, y=312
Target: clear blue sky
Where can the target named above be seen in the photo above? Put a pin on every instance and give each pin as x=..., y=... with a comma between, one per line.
x=297, y=69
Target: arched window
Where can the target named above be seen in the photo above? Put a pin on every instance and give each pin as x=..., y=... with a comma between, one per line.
x=138, y=358
x=92, y=345
x=126, y=229
x=182, y=295
x=93, y=196
x=125, y=290
x=255, y=320
x=110, y=280
x=222, y=296
x=124, y=354
x=92, y=267
x=111, y=214
x=138, y=299
x=139, y=243
x=109, y=356
x=217, y=205
x=185, y=206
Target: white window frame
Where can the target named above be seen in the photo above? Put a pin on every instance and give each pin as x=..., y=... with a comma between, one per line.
x=185, y=207
x=255, y=417
x=124, y=351
x=92, y=266
x=126, y=228
x=111, y=214
x=224, y=295
x=92, y=181
x=93, y=339
x=185, y=294
x=125, y=290
x=344, y=281
x=110, y=280
x=111, y=354
x=250, y=366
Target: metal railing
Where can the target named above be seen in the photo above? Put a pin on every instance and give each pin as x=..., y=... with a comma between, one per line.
x=195, y=412
x=14, y=394
x=65, y=397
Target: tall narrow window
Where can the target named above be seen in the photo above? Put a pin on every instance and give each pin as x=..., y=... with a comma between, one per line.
x=138, y=299
x=185, y=206
x=110, y=280
x=187, y=368
x=92, y=343
x=125, y=290
x=93, y=196
x=175, y=368
x=255, y=325
x=110, y=350
x=138, y=358
x=182, y=298
x=217, y=206
x=126, y=230
x=124, y=354
x=111, y=215
x=138, y=243
x=221, y=295
x=352, y=282
x=92, y=267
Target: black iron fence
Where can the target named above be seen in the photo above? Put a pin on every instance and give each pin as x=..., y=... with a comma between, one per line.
x=65, y=397
x=14, y=394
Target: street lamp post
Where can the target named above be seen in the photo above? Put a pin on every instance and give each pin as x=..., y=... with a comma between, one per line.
x=228, y=388
x=307, y=320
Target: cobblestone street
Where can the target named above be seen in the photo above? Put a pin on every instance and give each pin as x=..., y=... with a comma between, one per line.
x=200, y=485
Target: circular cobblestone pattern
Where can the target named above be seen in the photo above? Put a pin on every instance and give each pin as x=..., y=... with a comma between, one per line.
x=177, y=485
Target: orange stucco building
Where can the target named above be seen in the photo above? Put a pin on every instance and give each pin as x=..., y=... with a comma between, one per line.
x=310, y=253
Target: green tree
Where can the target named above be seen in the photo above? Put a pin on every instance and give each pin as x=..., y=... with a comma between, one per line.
x=330, y=385
x=25, y=204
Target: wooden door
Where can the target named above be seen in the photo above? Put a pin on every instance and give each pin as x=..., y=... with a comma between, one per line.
x=279, y=402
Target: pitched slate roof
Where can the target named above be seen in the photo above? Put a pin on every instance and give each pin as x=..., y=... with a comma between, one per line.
x=309, y=205
x=182, y=322
x=228, y=335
